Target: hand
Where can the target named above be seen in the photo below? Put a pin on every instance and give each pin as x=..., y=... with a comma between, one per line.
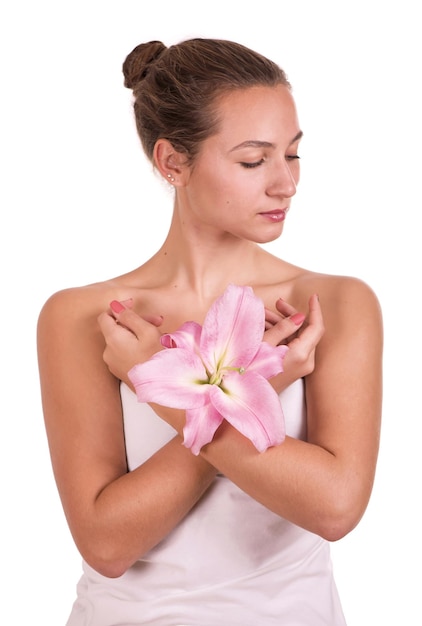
x=130, y=338
x=301, y=334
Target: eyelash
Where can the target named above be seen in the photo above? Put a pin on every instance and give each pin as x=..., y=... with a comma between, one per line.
x=291, y=157
x=250, y=165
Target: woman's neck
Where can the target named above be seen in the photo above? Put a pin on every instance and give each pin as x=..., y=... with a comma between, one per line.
x=205, y=262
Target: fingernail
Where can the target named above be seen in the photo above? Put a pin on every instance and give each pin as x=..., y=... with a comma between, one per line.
x=297, y=318
x=116, y=306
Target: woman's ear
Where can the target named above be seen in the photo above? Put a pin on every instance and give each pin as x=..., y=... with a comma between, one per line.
x=171, y=164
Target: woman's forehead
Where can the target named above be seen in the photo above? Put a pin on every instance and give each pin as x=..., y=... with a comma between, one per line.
x=257, y=114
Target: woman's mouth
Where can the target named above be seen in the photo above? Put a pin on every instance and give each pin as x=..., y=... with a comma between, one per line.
x=278, y=215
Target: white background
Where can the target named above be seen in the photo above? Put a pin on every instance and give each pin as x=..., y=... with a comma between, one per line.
x=80, y=204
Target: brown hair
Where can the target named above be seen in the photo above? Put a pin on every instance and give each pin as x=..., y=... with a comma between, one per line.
x=175, y=88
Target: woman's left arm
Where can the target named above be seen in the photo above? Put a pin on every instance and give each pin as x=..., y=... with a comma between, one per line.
x=323, y=484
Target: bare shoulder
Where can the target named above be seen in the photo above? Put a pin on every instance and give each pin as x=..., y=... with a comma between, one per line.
x=296, y=284
x=345, y=300
x=338, y=290
x=70, y=350
x=75, y=302
x=80, y=304
x=347, y=296
x=338, y=294
x=68, y=321
x=350, y=307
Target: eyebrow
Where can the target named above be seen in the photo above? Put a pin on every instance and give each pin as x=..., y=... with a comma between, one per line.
x=255, y=143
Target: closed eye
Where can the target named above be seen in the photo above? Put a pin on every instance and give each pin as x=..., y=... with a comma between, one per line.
x=254, y=164
x=292, y=157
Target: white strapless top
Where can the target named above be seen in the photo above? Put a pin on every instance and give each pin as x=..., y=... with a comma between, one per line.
x=230, y=562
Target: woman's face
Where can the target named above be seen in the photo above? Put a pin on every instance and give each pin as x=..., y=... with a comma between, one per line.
x=245, y=175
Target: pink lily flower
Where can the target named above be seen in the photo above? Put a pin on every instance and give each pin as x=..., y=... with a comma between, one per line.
x=219, y=371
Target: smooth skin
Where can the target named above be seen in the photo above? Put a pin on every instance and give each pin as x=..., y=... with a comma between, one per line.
x=226, y=204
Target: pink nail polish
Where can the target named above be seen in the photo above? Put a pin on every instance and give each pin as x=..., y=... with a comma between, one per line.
x=297, y=318
x=116, y=306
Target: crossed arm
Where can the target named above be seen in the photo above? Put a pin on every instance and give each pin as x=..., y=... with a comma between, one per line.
x=115, y=516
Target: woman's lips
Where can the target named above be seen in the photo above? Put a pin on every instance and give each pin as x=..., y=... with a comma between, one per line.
x=278, y=215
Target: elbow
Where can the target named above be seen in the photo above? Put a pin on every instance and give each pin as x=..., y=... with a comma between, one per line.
x=107, y=558
x=108, y=569
x=107, y=565
x=343, y=506
x=335, y=529
x=340, y=518
x=109, y=551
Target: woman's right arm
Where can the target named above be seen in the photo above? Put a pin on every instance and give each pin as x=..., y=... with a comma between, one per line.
x=114, y=515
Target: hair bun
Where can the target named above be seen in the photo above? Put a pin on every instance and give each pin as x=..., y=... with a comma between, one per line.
x=137, y=62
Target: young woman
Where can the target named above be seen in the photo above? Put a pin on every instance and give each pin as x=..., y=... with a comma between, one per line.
x=229, y=534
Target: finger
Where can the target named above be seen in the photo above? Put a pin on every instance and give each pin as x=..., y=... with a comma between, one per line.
x=156, y=320
x=128, y=303
x=117, y=307
x=315, y=312
x=284, y=328
x=311, y=332
x=284, y=308
x=271, y=317
x=107, y=323
x=112, y=330
x=128, y=318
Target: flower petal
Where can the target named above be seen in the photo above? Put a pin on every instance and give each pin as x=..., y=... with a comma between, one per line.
x=187, y=336
x=252, y=406
x=175, y=378
x=233, y=328
x=200, y=427
x=269, y=360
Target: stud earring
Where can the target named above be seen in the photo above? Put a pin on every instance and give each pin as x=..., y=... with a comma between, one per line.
x=171, y=178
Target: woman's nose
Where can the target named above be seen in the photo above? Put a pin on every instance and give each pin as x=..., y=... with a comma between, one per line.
x=284, y=181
